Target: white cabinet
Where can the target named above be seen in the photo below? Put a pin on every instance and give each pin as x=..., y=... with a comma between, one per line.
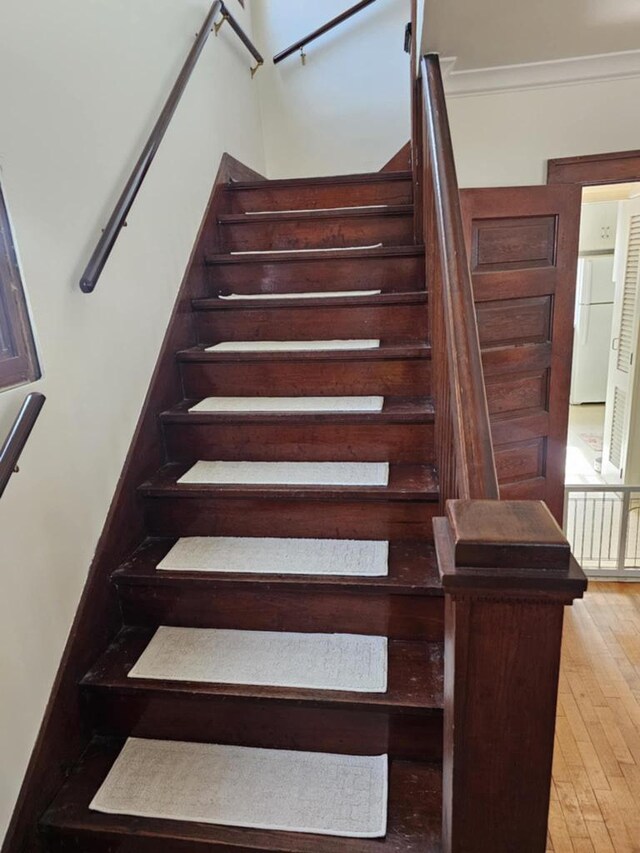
x=598, y=226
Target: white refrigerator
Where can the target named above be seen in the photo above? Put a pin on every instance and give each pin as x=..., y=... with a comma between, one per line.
x=592, y=333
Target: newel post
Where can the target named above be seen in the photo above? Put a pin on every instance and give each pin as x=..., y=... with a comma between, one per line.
x=507, y=573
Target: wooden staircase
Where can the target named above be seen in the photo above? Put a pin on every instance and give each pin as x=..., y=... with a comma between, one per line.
x=471, y=366
x=318, y=228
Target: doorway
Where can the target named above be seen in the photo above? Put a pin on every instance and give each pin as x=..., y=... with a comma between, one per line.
x=602, y=495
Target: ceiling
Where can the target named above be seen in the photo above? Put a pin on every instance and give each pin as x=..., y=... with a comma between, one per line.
x=610, y=192
x=487, y=33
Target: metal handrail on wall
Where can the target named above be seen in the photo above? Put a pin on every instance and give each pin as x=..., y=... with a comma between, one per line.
x=325, y=28
x=124, y=204
x=18, y=436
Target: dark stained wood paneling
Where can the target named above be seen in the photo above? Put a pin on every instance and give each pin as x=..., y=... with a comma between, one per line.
x=514, y=321
x=521, y=460
x=519, y=393
x=523, y=244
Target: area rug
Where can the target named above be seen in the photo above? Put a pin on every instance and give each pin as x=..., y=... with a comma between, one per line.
x=239, y=555
x=349, y=662
x=342, y=795
x=289, y=404
x=593, y=439
x=291, y=346
x=304, y=251
x=289, y=473
x=322, y=294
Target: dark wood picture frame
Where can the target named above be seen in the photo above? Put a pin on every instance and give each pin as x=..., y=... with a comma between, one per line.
x=18, y=357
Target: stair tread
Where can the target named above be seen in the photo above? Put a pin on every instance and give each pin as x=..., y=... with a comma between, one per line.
x=412, y=568
x=414, y=819
x=417, y=297
x=358, y=178
x=406, y=482
x=395, y=410
x=415, y=678
x=381, y=353
x=325, y=213
x=316, y=255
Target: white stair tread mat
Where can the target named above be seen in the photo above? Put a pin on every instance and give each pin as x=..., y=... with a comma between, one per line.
x=302, y=251
x=350, y=662
x=240, y=555
x=352, y=208
x=320, y=294
x=343, y=795
x=289, y=404
x=291, y=346
x=289, y=473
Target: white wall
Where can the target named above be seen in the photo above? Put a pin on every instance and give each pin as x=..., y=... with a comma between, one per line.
x=82, y=84
x=347, y=110
x=506, y=138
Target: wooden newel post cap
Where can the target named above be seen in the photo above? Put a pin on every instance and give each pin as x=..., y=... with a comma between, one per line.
x=505, y=547
x=518, y=534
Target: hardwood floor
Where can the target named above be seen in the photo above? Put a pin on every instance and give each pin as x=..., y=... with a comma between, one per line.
x=595, y=804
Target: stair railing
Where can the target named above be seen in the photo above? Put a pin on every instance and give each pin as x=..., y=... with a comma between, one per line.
x=467, y=465
x=325, y=28
x=506, y=568
x=118, y=219
x=18, y=436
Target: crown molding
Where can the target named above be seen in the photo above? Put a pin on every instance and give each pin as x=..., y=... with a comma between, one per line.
x=539, y=75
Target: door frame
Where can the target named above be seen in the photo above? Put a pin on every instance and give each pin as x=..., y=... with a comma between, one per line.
x=589, y=170
x=592, y=169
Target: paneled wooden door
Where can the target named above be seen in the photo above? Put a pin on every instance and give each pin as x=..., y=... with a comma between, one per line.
x=523, y=250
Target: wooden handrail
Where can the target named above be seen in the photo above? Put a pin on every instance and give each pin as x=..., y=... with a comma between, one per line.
x=124, y=204
x=335, y=22
x=244, y=38
x=17, y=438
x=475, y=470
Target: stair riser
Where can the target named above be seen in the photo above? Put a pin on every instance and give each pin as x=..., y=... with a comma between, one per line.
x=326, y=233
x=390, y=324
x=280, y=378
x=397, y=616
x=391, y=275
x=300, y=442
x=320, y=196
x=339, y=519
x=267, y=725
x=74, y=840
